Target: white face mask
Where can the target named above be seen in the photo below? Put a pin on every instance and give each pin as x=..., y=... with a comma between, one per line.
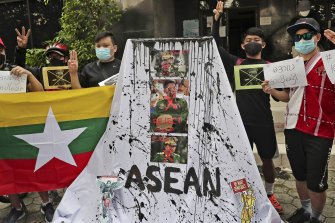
x=304, y=13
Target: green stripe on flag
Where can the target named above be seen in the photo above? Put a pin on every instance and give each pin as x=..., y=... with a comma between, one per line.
x=14, y=148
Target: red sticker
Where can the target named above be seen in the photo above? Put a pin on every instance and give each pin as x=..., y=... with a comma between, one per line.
x=239, y=186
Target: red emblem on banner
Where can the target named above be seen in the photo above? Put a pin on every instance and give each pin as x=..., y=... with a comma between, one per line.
x=239, y=185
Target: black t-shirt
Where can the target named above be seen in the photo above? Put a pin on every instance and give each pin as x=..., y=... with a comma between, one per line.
x=93, y=73
x=253, y=104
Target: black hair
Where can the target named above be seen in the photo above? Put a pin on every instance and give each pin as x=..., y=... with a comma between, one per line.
x=168, y=82
x=105, y=34
x=255, y=31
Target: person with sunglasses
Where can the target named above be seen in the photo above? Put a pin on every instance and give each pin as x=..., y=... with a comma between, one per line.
x=310, y=118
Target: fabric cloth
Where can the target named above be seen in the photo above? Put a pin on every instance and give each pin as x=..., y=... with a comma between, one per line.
x=95, y=72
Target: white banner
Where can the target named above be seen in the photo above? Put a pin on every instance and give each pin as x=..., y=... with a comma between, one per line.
x=11, y=83
x=175, y=149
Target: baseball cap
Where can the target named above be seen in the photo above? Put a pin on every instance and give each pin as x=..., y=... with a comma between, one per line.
x=303, y=23
x=1, y=43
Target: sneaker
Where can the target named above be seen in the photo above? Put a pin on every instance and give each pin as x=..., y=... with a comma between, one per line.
x=299, y=216
x=276, y=204
x=15, y=215
x=48, y=211
x=314, y=220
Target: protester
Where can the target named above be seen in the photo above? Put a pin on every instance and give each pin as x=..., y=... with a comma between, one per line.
x=57, y=55
x=310, y=118
x=19, y=210
x=106, y=65
x=254, y=105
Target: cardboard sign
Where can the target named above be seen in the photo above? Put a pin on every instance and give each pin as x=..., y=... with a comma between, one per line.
x=11, y=83
x=249, y=76
x=56, y=76
x=328, y=59
x=286, y=74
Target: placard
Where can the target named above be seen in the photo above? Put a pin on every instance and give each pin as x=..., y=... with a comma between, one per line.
x=56, y=76
x=328, y=58
x=286, y=74
x=12, y=84
x=249, y=76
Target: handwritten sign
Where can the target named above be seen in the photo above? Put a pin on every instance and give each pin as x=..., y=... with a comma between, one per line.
x=286, y=74
x=12, y=84
x=328, y=58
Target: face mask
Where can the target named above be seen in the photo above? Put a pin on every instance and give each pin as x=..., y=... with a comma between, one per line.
x=253, y=48
x=2, y=58
x=305, y=46
x=103, y=53
x=56, y=62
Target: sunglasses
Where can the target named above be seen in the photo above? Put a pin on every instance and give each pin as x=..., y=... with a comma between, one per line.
x=306, y=36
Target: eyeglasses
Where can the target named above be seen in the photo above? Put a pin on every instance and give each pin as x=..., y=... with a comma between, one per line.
x=306, y=36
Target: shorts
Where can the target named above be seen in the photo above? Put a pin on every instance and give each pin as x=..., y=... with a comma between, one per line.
x=309, y=156
x=264, y=139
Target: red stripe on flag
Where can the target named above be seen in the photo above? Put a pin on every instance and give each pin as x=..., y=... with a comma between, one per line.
x=18, y=176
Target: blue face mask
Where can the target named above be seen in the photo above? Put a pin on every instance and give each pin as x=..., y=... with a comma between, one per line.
x=103, y=53
x=305, y=46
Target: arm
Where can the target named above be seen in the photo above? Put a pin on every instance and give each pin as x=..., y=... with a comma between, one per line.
x=228, y=59
x=20, y=50
x=73, y=69
x=33, y=83
x=280, y=95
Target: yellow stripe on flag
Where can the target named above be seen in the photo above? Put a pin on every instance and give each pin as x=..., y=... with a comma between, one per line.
x=32, y=108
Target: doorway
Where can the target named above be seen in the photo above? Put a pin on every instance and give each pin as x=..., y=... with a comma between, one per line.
x=238, y=21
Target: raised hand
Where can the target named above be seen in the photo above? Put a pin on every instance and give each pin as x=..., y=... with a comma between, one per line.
x=73, y=63
x=218, y=10
x=22, y=38
x=330, y=35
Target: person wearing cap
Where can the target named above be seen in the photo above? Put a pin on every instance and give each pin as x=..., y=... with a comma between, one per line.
x=253, y=104
x=57, y=55
x=170, y=114
x=168, y=155
x=310, y=118
x=106, y=65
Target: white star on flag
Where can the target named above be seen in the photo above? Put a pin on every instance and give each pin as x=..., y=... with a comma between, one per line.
x=53, y=142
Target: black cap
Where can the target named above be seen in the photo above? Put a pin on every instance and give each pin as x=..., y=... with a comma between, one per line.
x=304, y=23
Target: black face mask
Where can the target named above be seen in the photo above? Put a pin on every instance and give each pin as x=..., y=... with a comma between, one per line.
x=2, y=59
x=56, y=62
x=253, y=48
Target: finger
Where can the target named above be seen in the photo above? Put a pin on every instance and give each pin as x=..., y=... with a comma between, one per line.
x=17, y=32
x=28, y=33
x=75, y=55
x=23, y=31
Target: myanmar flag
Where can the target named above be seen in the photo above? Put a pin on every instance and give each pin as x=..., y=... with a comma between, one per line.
x=47, y=138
